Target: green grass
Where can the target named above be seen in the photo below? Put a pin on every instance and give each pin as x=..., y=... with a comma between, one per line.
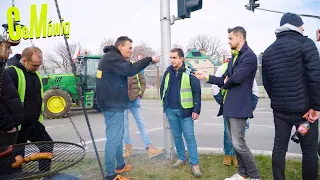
x=211, y=166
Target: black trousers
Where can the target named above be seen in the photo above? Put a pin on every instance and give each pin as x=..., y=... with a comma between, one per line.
x=7, y=139
x=36, y=133
x=283, y=126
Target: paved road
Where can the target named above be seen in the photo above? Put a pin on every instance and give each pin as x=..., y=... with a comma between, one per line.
x=208, y=128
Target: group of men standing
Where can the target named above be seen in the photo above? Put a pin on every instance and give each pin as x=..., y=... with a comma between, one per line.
x=21, y=99
x=290, y=69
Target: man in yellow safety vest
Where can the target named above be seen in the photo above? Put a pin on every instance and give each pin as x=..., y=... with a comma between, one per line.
x=181, y=99
x=27, y=80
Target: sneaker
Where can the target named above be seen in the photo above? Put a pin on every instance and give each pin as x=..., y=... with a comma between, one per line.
x=227, y=160
x=178, y=163
x=118, y=177
x=115, y=177
x=237, y=177
x=235, y=161
x=126, y=168
x=196, y=170
x=152, y=152
x=128, y=151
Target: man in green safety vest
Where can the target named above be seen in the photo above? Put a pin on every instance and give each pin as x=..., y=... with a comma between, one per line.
x=181, y=99
x=27, y=80
x=136, y=88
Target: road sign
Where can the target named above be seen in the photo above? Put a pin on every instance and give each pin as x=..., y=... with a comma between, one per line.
x=140, y=57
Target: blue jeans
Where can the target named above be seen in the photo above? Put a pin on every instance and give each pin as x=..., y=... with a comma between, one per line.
x=114, y=134
x=227, y=143
x=183, y=126
x=135, y=108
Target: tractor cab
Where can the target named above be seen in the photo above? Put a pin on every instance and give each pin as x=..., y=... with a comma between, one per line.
x=87, y=68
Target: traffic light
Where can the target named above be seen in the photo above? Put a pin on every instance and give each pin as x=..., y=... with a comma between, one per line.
x=252, y=5
x=185, y=7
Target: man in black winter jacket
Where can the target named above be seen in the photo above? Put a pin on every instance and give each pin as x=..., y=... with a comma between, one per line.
x=112, y=98
x=11, y=113
x=291, y=77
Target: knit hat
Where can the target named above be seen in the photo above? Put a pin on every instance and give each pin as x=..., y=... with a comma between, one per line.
x=292, y=19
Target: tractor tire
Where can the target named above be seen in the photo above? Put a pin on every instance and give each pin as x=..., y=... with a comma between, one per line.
x=57, y=103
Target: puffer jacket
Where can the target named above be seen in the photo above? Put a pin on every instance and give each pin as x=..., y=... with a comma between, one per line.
x=133, y=88
x=291, y=71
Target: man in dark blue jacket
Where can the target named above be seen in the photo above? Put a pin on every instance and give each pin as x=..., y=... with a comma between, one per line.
x=291, y=77
x=181, y=98
x=112, y=98
x=237, y=101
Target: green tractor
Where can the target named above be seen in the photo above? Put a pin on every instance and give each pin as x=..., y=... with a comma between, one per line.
x=60, y=90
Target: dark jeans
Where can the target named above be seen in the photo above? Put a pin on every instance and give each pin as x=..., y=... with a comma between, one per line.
x=35, y=133
x=7, y=139
x=283, y=126
x=246, y=163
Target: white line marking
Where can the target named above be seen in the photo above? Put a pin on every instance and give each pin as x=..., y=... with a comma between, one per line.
x=49, y=127
x=214, y=110
x=150, y=130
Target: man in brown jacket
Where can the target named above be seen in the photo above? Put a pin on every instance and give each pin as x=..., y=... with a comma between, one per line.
x=136, y=88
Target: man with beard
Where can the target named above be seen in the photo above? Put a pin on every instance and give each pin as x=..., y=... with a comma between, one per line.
x=237, y=106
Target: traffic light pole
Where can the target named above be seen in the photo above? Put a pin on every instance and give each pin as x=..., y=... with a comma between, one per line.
x=165, y=48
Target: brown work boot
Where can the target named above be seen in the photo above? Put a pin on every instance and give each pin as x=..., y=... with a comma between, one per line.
x=126, y=168
x=227, y=160
x=152, y=152
x=235, y=161
x=128, y=151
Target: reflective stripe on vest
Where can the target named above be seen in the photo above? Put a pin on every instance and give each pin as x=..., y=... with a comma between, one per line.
x=22, y=89
x=186, y=96
x=137, y=75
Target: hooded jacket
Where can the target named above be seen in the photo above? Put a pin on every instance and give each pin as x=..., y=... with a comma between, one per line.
x=112, y=79
x=291, y=71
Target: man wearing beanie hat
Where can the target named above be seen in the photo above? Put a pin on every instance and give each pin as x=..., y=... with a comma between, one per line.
x=291, y=77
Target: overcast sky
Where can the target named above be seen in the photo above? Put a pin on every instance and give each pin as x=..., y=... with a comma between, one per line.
x=93, y=20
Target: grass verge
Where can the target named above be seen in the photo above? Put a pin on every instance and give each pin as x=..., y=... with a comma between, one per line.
x=211, y=166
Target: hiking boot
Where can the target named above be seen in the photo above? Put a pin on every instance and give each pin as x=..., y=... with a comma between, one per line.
x=152, y=152
x=227, y=160
x=237, y=177
x=178, y=163
x=196, y=170
x=235, y=161
x=128, y=151
x=124, y=169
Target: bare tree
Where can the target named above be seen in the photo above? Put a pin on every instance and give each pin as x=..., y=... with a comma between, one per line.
x=212, y=45
x=143, y=49
x=105, y=42
x=60, y=59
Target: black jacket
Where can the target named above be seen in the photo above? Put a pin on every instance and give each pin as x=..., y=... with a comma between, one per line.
x=32, y=101
x=11, y=113
x=291, y=73
x=238, y=102
x=196, y=93
x=112, y=81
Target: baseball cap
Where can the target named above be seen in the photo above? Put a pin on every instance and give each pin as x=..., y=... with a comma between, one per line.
x=13, y=43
